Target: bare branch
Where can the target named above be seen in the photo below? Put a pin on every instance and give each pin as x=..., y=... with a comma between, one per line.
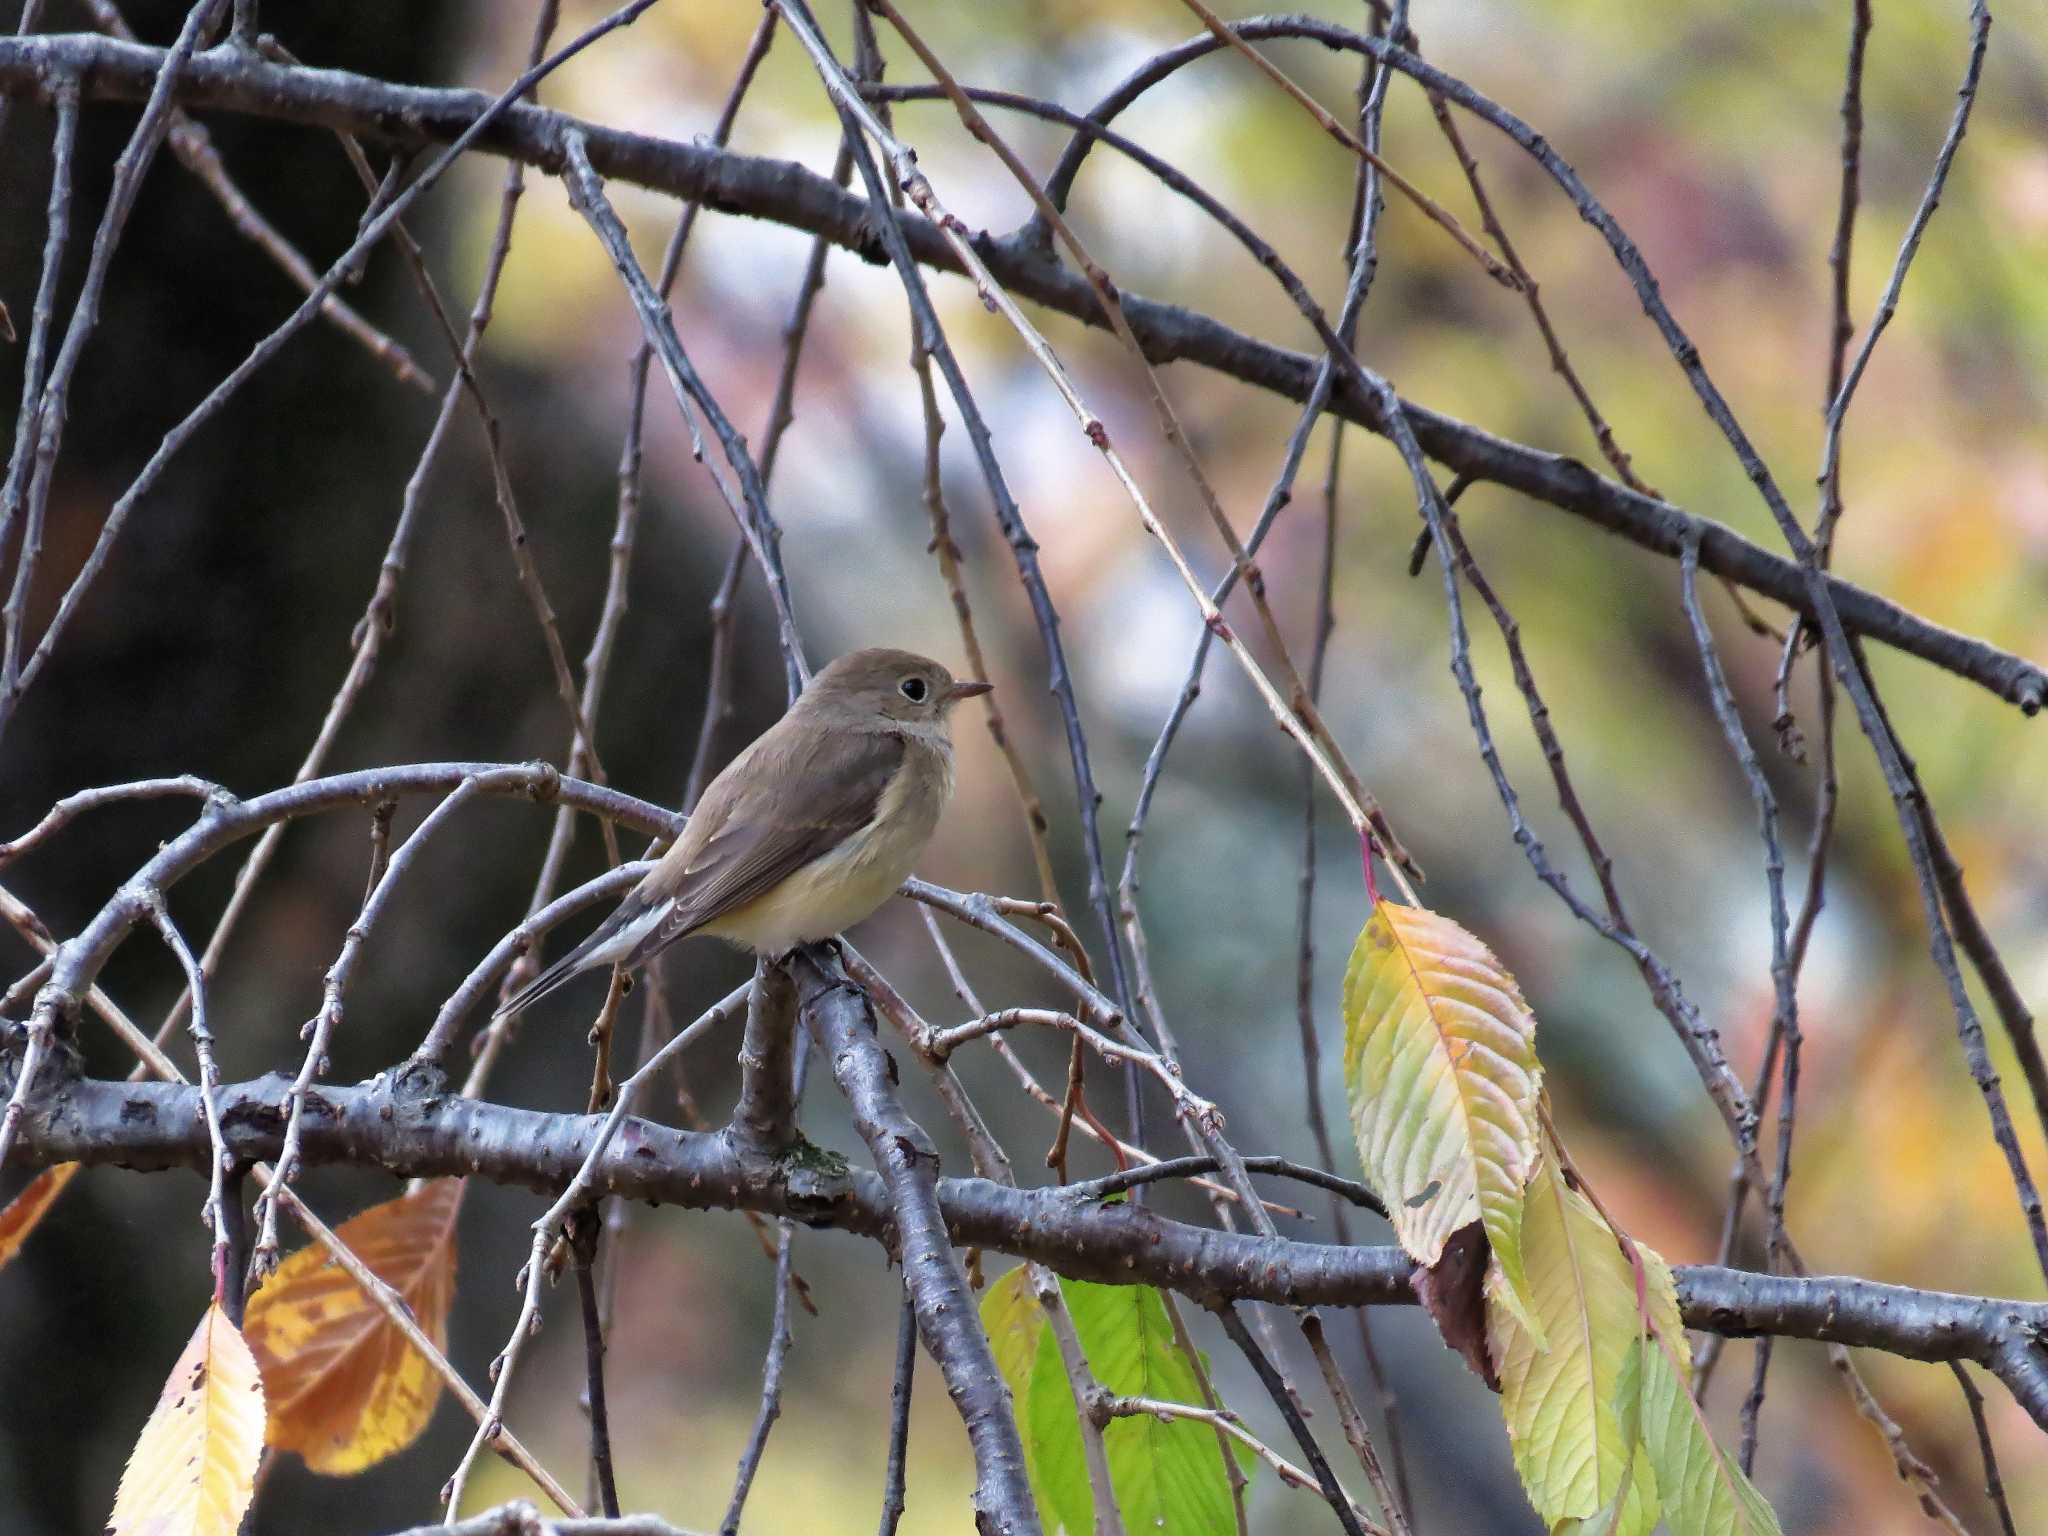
x=790, y=195
x=193, y=145
x=840, y=1020
x=148, y=1126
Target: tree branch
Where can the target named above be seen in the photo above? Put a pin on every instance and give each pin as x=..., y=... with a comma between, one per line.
x=786, y=193
x=411, y=1133
x=839, y=1018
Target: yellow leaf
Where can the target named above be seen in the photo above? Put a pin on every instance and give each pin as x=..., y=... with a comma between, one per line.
x=346, y=1387
x=26, y=1210
x=1440, y=1065
x=1576, y=1451
x=193, y=1471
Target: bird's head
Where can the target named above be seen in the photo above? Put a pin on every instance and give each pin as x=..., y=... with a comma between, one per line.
x=896, y=685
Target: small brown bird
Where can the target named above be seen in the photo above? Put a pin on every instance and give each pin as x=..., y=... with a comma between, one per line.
x=807, y=831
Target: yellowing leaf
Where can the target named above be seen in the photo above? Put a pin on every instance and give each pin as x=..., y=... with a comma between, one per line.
x=1013, y=1319
x=346, y=1387
x=1575, y=1446
x=1440, y=1066
x=1016, y=1324
x=26, y=1210
x=1704, y=1491
x=193, y=1471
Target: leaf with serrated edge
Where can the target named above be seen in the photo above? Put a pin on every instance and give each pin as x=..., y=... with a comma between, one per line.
x=1572, y=1440
x=1440, y=1065
x=347, y=1389
x=1168, y=1473
x=193, y=1469
x=25, y=1212
x=1704, y=1491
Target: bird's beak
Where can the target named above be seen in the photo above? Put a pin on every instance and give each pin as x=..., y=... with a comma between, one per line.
x=961, y=691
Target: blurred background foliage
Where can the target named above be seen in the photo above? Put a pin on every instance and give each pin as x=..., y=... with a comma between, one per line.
x=220, y=630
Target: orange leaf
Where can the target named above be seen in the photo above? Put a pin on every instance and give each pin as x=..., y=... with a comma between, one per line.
x=346, y=1388
x=26, y=1210
x=193, y=1471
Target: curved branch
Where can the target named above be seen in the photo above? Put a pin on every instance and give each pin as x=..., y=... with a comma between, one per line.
x=410, y=1134
x=788, y=194
x=224, y=822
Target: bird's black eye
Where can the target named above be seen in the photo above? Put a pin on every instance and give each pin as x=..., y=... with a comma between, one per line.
x=914, y=689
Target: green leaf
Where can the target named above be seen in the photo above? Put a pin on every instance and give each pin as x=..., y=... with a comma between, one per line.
x=1704, y=1491
x=1572, y=1431
x=1168, y=1474
x=1633, y=1506
x=1440, y=1065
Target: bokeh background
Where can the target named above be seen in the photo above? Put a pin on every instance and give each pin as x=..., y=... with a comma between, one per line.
x=220, y=631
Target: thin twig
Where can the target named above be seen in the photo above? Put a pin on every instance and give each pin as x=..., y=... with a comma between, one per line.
x=748, y=503
x=584, y=1233
x=214, y=1214
x=548, y=1228
x=194, y=148
x=1785, y=1018
x=67, y=810
x=899, y=1418
x=1994, y=1486
x=1909, y=246
x=916, y=1030
x=1431, y=209
x=1087, y=1393
x=52, y=410
x=892, y=229
x=1227, y=1423
x=373, y=230
x=56, y=235
x=779, y=1340
x=320, y=1031
x=1188, y=1103
x=1283, y=1399
x=777, y=190
x=1180, y=1167
x=151, y=1059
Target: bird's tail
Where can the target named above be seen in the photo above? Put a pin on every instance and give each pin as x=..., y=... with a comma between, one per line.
x=611, y=944
x=562, y=971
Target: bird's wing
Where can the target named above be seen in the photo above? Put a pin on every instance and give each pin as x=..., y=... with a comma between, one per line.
x=747, y=854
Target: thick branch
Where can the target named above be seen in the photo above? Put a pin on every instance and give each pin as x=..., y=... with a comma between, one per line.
x=765, y=1117
x=788, y=194
x=409, y=1134
x=839, y=1018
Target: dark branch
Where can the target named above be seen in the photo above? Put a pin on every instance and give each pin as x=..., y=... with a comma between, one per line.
x=411, y=1134
x=788, y=194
